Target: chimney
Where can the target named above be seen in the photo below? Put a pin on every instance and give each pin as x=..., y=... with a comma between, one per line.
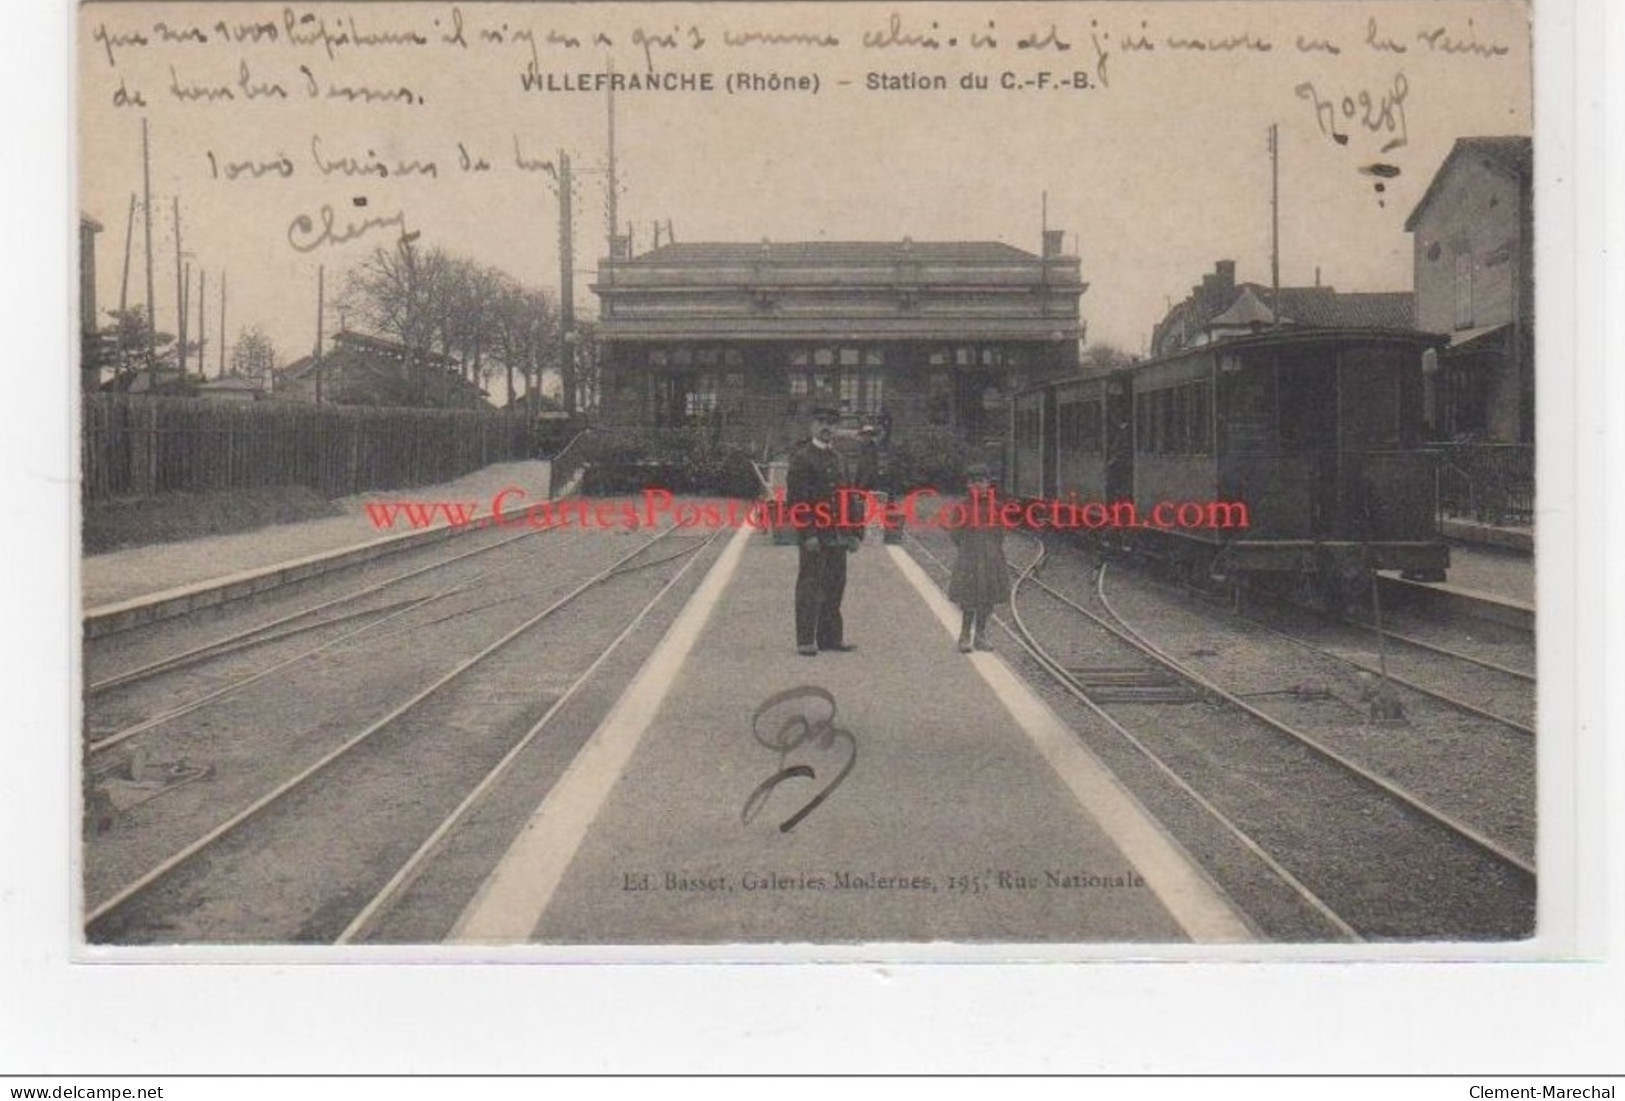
x=1225, y=276
x=620, y=247
x=1053, y=243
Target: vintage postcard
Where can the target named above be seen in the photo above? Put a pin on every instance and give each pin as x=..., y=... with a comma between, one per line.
x=813, y=481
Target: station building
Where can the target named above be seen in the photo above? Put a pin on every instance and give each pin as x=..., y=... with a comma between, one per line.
x=750, y=337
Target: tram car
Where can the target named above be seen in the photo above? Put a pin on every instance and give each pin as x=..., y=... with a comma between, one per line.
x=1316, y=433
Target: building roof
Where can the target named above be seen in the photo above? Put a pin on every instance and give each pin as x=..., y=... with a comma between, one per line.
x=1512, y=155
x=1325, y=308
x=229, y=382
x=816, y=253
x=1218, y=309
x=369, y=370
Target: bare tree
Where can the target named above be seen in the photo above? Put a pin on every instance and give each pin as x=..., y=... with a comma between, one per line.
x=253, y=355
x=396, y=292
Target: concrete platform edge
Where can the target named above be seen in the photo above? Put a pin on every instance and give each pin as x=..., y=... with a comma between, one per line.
x=124, y=615
x=1463, y=531
x=1459, y=601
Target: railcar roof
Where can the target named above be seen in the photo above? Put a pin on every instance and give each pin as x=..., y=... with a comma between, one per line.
x=1275, y=338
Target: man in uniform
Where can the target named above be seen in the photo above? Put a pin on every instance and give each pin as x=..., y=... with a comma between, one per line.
x=816, y=474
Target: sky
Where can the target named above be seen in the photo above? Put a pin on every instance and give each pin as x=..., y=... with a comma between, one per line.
x=1156, y=169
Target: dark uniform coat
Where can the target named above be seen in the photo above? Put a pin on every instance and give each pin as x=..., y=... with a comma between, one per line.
x=815, y=476
x=981, y=578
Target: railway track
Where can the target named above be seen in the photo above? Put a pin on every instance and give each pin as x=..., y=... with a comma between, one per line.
x=299, y=621
x=320, y=852
x=1367, y=858
x=1359, y=646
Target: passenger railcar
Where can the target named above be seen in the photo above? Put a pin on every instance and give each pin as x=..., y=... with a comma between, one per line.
x=1317, y=433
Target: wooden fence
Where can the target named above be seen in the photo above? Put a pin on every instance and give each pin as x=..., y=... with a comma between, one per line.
x=140, y=446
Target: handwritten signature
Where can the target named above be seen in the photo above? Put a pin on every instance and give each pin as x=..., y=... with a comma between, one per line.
x=305, y=235
x=783, y=727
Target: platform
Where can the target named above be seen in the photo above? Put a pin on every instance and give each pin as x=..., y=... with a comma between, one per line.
x=969, y=812
x=1484, y=582
x=143, y=580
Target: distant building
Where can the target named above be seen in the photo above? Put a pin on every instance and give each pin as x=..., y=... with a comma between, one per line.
x=749, y=337
x=370, y=370
x=1220, y=307
x=1473, y=241
x=230, y=388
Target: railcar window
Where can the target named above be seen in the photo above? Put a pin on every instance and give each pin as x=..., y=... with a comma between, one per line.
x=1066, y=428
x=1089, y=440
x=1172, y=421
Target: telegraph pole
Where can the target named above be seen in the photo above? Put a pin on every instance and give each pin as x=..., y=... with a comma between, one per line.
x=202, y=322
x=321, y=368
x=1275, y=223
x=152, y=315
x=222, y=323
x=124, y=285
x=180, y=295
x=613, y=184
x=567, y=278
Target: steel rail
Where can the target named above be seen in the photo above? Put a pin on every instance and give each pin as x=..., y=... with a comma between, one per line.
x=1125, y=631
x=413, y=867
x=176, y=860
x=1047, y=662
x=246, y=638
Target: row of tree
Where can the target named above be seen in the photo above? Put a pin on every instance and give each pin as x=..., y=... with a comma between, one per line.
x=444, y=307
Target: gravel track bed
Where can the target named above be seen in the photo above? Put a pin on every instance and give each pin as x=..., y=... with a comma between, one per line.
x=1496, y=692
x=111, y=655
x=372, y=620
x=1477, y=638
x=251, y=741
x=1274, y=909
x=1474, y=770
x=1385, y=869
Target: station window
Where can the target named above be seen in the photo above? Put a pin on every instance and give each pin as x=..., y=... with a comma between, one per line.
x=1464, y=290
x=702, y=398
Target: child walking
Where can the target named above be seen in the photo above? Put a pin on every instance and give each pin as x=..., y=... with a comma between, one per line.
x=980, y=579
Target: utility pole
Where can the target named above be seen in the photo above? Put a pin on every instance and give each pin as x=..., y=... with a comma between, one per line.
x=1275, y=224
x=202, y=322
x=222, y=323
x=567, y=307
x=321, y=368
x=180, y=295
x=152, y=315
x=124, y=284
x=613, y=183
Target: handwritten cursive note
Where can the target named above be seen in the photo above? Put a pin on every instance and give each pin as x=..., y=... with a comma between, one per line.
x=305, y=235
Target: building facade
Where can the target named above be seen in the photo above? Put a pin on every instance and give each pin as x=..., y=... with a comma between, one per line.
x=1472, y=236
x=749, y=338
x=1219, y=307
